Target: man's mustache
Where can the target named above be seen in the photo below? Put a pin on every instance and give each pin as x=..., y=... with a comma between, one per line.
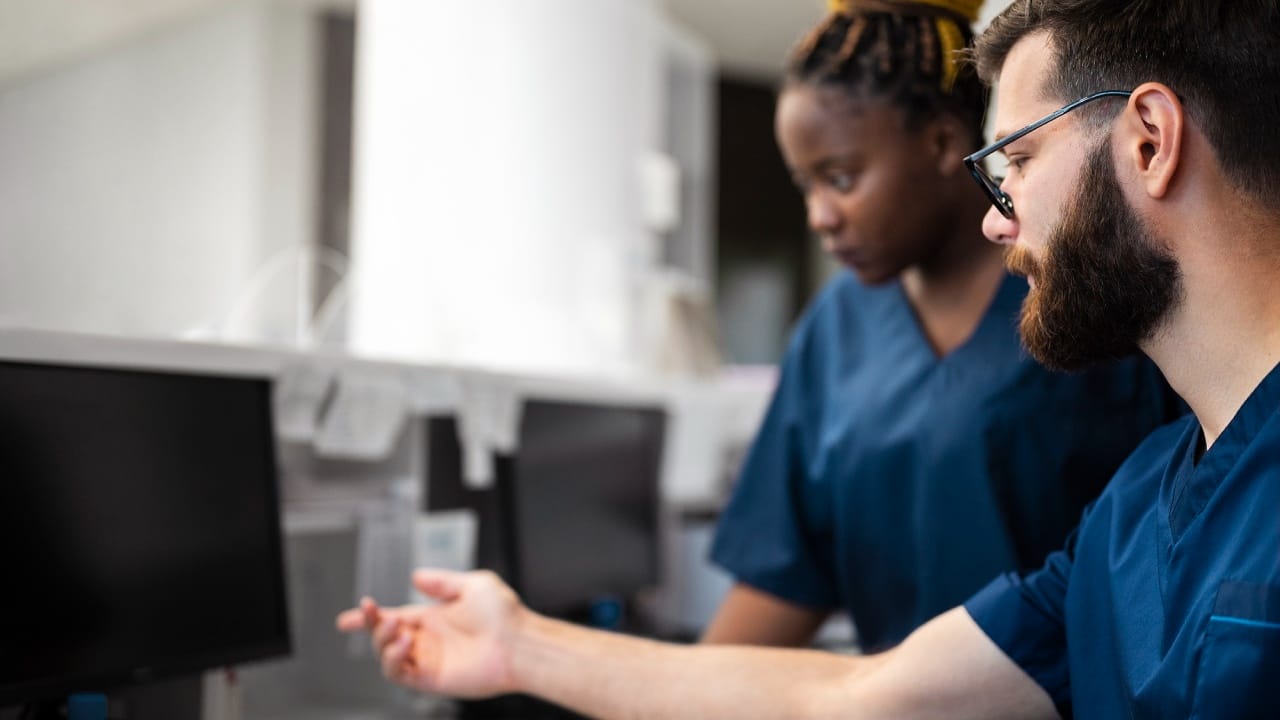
x=1020, y=262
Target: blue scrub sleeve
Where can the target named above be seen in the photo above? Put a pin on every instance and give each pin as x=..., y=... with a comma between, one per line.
x=764, y=538
x=1024, y=618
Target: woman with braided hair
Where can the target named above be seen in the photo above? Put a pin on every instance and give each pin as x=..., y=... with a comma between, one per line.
x=912, y=450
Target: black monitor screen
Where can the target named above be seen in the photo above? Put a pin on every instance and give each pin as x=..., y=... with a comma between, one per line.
x=583, y=501
x=139, y=527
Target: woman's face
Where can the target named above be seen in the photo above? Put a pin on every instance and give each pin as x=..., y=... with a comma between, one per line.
x=871, y=187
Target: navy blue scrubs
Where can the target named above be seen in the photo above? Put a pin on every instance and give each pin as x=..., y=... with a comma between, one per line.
x=893, y=483
x=1166, y=601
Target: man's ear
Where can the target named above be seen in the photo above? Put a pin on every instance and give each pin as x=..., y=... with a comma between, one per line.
x=949, y=143
x=1152, y=134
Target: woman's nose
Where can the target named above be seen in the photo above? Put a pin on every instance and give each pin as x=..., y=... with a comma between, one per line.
x=823, y=216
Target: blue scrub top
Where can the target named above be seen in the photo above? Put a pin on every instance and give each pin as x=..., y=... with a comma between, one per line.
x=1166, y=601
x=893, y=483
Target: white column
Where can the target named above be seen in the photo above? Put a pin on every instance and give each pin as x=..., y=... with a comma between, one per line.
x=497, y=218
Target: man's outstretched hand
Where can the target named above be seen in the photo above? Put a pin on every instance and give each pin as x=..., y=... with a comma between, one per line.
x=461, y=646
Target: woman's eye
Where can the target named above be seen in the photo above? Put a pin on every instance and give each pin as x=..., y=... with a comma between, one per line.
x=842, y=182
x=1017, y=162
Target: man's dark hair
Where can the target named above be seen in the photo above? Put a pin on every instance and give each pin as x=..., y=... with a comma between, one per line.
x=908, y=55
x=1222, y=58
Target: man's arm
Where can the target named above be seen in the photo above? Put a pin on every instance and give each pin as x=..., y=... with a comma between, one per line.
x=749, y=616
x=480, y=641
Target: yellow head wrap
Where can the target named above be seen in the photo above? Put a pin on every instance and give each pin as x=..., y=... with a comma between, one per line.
x=949, y=35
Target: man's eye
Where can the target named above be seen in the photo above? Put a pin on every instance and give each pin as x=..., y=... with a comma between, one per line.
x=1017, y=162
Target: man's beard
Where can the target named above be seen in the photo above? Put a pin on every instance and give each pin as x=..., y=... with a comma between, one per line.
x=1104, y=285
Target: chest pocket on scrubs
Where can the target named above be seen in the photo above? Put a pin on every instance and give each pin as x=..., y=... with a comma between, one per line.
x=1240, y=665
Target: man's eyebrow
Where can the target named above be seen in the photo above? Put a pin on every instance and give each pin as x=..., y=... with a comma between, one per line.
x=1000, y=136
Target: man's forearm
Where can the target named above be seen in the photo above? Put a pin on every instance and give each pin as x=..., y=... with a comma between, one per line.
x=613, y=676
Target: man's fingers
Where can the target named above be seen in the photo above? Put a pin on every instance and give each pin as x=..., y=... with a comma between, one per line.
x=395, y=657
x=365, y=617
x=391, y=632
x=439, y=584
x=372, y=613
x=386, y=632
x=351, y=620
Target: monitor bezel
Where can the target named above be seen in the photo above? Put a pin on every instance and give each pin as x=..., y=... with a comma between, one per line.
x=107, y=681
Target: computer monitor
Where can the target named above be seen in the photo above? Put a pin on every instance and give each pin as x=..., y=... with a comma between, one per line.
x=583, y=504
x=446, y=491
x=139, y=527
x=572, y=518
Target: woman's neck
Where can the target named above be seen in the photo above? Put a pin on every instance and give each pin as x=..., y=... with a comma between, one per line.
x=952, y=290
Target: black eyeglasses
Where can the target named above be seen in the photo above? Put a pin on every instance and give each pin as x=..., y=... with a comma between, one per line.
x=990, y=185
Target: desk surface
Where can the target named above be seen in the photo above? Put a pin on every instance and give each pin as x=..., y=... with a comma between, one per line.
x=425, y=708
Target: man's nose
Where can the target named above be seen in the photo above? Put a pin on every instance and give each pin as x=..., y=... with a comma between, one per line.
x=998, y=228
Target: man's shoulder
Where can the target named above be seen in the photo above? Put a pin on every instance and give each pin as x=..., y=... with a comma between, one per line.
x=1136, y=485
x=1159, y=449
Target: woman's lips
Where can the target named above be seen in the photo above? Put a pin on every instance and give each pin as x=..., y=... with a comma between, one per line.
x=849, y=257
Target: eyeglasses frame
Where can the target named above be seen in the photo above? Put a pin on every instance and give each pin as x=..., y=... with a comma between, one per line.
x=991, y=186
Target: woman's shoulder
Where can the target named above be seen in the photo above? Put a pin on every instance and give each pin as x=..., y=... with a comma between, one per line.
x=832, y=325
x=844, y=296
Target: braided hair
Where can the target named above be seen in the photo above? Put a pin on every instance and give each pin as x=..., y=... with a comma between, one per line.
x=910, y=54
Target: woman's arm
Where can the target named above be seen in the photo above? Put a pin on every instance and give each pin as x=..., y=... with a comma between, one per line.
x=748, y=616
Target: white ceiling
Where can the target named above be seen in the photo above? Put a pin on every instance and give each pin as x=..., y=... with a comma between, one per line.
x=754, y=37
x=748, y=37
x=40, y=34
x=35, y=34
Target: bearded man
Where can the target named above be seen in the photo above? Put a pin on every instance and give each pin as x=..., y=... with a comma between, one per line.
x=1143, y=203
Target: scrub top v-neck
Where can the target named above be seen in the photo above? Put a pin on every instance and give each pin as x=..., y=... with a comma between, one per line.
x=893, y=483
x=1166, y=601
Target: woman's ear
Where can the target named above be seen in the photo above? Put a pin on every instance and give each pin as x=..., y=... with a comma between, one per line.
x=949, y=143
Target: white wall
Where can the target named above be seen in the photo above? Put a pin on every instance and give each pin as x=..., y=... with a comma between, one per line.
x=497, y=215
x=141, y=185
x=990, y=9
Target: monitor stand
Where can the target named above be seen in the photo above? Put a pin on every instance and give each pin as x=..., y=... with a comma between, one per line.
x=161, y=700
